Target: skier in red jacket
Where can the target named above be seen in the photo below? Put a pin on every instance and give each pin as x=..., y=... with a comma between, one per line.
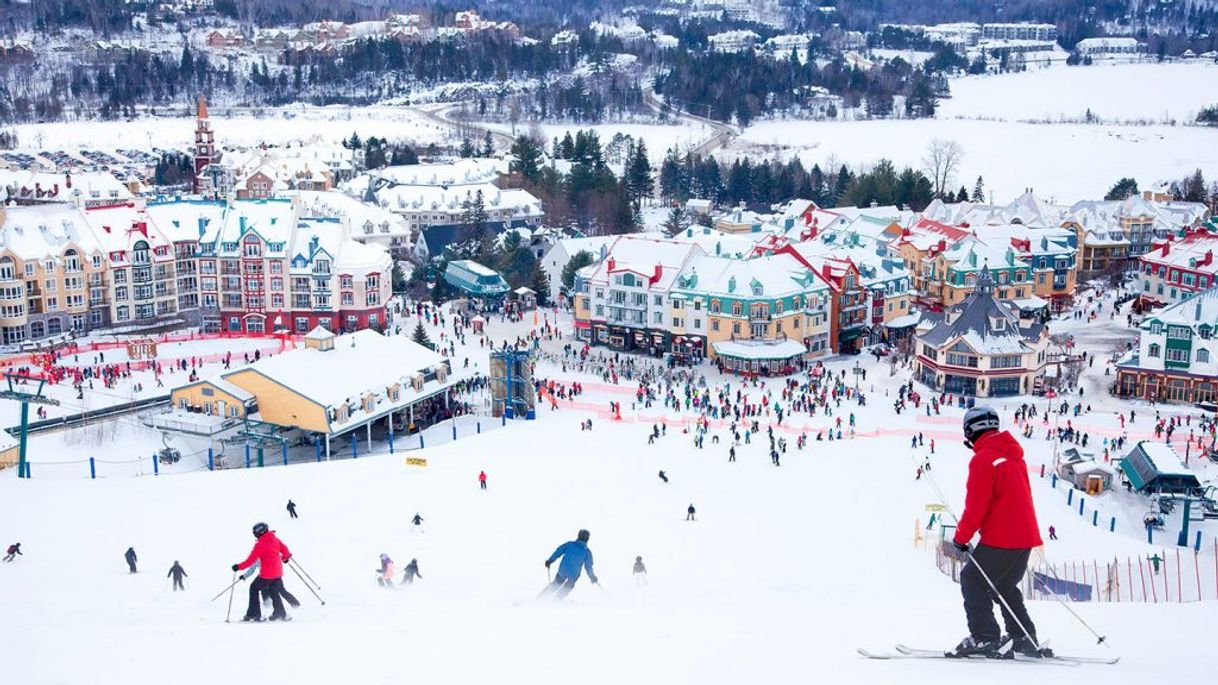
x=270, y=554
x=998, y=504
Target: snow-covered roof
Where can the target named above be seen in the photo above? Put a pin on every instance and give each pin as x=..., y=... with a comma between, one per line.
x=985, y=324
x=643, y=256
x=759, y=349
x=773, y=276
x=46, y=230
x=361, y=362
x=7, y=442
x=1164, y=458
x=1196, y=310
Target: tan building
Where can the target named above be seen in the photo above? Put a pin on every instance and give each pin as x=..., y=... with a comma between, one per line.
x=333, y=386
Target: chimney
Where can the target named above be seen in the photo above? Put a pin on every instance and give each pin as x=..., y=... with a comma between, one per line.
x=1209, y=257
x=656, y=274
x=942, y=245
x=67, y=179
x=612, y=264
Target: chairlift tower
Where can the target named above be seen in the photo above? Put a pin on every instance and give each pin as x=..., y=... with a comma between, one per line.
x=25, y=398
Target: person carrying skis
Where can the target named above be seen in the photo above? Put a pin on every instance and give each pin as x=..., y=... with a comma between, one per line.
x=411, y=572
x=178, y=573
x=640, y=572
x=998, y=504
x=575, y=556
x=292, y=509
x=131, y=559
x=384, y=576
x=271, y=554
x=13, y=551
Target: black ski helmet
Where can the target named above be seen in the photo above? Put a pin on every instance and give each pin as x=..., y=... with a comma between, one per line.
x=583, y=536
x=979, y=420
x=260, y=529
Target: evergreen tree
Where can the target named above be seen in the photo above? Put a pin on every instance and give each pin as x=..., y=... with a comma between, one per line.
x=578, y=261
x=466, y=149
x=527, y=162
x=638, y=174
x=676, y=221
x=1123, y=189
x=671, y=186
x=962, y=196
x=979, y=191
x=541, y=284
x=420, y=336
x=488, y=145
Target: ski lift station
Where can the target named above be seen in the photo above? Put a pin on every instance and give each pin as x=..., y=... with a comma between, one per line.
x=1155, y=468
x=475, y=280
x=334, y=385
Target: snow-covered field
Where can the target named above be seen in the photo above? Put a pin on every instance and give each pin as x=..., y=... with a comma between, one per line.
x=1121, y=92
x=1065, y=162
x=278, y=126
x=787, y=569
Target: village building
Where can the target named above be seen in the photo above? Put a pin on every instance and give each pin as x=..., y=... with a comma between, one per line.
x=1178, y=267
x=1176, y=359
x=982, y=347
x=387, y=383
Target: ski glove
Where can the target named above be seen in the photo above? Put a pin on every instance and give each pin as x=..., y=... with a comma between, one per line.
x=235, y=569
x=548, y=562
x=962, y=549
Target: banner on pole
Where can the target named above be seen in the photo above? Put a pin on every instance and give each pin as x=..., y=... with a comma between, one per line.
x=936, y=507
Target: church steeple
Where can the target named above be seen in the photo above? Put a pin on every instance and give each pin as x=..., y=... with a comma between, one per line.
x=205, y=147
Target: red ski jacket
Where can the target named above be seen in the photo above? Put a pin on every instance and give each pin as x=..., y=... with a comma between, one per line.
x=271, y=552
x=999, y=498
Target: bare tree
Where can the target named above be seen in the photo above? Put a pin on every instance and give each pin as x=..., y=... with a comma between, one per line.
x=941, y=162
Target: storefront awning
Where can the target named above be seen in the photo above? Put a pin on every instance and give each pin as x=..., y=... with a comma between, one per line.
x=904, y=321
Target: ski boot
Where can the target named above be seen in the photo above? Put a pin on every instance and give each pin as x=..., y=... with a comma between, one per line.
x=252, y=619
x=974, y=646
x=1025, y=646
x=280, y=617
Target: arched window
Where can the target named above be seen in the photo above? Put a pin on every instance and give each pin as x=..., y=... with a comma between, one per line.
x=1203, y=355
x=1153, y=350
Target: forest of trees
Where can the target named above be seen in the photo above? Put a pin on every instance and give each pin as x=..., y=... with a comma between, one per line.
x=761, y=185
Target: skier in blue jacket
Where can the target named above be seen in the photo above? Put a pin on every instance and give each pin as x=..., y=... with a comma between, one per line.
x=575, y=555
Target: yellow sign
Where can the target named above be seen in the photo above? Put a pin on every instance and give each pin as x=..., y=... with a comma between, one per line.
x=416, y=461
x=936, y=507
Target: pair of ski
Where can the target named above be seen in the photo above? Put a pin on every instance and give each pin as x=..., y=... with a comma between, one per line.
x=904, y=652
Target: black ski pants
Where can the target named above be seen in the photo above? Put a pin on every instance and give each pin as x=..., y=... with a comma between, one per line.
x=177, y=583
x=1005, y=568
x=272, y=587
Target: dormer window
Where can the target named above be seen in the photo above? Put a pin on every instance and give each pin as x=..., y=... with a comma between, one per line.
x=1000, y=324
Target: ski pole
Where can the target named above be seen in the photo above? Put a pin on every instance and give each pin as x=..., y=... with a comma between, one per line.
x=229, y=614
x=994, y=588
x=235, y=581
x=306, y=584
x=293, y=562
x=1099, y=639
x=602, y=587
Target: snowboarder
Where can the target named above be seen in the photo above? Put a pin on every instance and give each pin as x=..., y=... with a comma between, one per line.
x=575, y=557
x=411, y=572
x=131, y=559
x=689, y=513
x=1052, y=533
x=292, y=509
x=640, y=572
x=384, y=576
x=482, y=480
x=177, y=573
x=271, y=554
x=13, y=551
x=998, y=503
x=663, y=477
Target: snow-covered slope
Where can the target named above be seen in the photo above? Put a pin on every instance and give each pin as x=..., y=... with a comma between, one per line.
x=785, y=572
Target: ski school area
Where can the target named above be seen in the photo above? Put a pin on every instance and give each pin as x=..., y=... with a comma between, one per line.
x=789, y=563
